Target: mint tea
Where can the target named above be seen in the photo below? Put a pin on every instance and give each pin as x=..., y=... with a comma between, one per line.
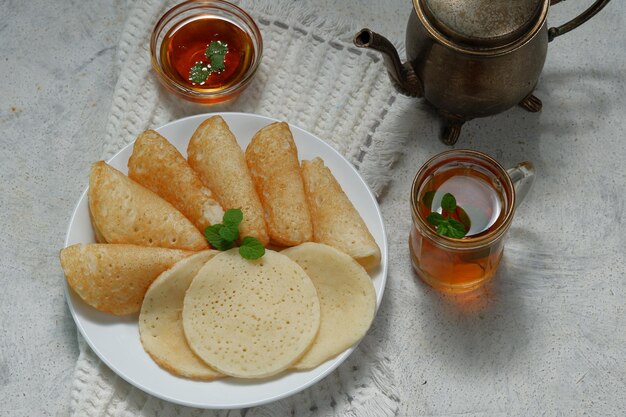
x=462, y=203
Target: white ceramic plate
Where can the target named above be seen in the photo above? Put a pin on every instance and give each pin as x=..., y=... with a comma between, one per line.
x=116, y=339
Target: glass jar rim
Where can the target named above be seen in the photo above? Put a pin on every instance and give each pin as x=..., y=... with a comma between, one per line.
x=466, y=243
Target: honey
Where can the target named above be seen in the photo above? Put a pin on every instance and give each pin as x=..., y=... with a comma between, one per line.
x=185, y=44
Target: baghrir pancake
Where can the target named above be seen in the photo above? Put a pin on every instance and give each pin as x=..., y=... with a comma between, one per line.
x=347, y=300
x=213, y=152
x=160, y=320
x=251, y=319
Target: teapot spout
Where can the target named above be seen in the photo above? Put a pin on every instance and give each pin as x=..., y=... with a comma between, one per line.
x=403, y=75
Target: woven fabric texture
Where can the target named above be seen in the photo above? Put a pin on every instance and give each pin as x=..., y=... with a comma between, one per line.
x=311, y=76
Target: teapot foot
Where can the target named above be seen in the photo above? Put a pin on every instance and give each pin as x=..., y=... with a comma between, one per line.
x=531, y=103
x=451, y=131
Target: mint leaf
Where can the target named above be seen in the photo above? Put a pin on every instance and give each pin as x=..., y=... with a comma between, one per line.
x=456, y=229
x=222, y=236
x=434, y=218
x=427, y=198
x=233, y=217
x=212, y=233
x=448, y=202
x=251, y=248
x=216, y=52
x=214, y=237
x=217, y=63
x=229, y=232
x=445, y=224
x=464, y=217
x=216, y=48
x=198, y=73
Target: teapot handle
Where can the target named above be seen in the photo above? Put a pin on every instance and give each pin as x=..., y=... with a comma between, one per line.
x=577, y=21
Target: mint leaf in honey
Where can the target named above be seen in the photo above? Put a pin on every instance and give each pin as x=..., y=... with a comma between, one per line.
x=198, y=73
x=216, y=48
x=216, y=53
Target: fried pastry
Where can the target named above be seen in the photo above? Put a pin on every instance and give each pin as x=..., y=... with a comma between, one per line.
x=272, y=157
x=122, y=211
x=114, y=278
x=335, y=220
x=157, y=165
x=214, y=153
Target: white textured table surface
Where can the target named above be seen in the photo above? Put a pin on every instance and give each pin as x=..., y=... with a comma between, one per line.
x=546, y=338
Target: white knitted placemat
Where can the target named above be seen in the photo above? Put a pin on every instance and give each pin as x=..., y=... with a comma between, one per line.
x=313, y=77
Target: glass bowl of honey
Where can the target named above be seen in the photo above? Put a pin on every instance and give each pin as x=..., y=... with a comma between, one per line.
x=206, y=51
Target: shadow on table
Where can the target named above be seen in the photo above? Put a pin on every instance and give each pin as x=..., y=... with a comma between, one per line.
x=488, y=327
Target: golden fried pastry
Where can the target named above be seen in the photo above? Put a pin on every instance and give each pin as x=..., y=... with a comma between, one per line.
x=335, y=220
x=114, y=278
x=214, y=153
x=272, y=157
x=157, y=165
x=122, y=211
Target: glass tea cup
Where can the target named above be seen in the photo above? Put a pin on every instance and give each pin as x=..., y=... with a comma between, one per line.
x=486, y=195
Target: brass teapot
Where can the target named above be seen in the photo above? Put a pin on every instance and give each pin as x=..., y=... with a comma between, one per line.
x=473, y=58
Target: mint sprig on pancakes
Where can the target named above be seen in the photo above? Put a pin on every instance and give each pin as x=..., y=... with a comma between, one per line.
x=223, y=236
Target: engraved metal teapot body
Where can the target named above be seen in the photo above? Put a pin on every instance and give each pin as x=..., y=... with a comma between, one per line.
x=473, y=58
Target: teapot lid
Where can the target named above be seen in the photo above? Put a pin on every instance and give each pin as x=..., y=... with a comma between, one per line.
x=481, y=22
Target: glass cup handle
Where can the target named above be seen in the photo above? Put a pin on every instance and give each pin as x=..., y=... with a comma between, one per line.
x=522, y=176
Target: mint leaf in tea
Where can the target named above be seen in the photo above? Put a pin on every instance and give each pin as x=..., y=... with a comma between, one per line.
x=448, y=202
x=461, y=202
x=446, y=225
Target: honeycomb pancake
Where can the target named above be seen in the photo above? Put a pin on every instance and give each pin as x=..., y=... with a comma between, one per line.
x=114, y=278
x=250, y=319
x=123, y=211
x=160, y=320
x=214, y=153
x=272, y=157
x=335, y=220
x=347, y=300
x=157, y=165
